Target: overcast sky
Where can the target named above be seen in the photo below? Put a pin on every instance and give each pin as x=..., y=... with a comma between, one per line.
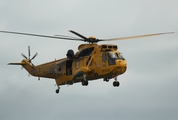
x=148, y=90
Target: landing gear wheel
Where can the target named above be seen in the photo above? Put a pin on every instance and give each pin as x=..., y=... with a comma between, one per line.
x=116, y=84
x=85, y=83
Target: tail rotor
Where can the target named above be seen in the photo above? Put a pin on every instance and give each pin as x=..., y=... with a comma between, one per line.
x=29, y=59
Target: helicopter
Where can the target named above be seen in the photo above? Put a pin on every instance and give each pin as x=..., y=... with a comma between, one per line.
x=92, y=61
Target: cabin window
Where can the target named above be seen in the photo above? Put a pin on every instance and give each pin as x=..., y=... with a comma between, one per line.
x=58, y=67
x=110, y=47
x=77, y=64
x=104, y=46
x=68, y=67
x=115, y=47
x=104, y=57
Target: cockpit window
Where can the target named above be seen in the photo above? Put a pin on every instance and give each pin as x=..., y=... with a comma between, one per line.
x=119, y=56
x=85, y=52
x=112, y=55
x=111, y=58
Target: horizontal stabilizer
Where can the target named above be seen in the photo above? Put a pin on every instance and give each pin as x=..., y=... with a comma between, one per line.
x=17, y=63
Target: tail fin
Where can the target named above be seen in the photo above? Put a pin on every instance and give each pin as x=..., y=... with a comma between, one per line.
x=27, y=65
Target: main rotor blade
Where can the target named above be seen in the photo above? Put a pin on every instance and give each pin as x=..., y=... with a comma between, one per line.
x=85, y=38
x=46, y=36
x=66, y=36
x=134, y=37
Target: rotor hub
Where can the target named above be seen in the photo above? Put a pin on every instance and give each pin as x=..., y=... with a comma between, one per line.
x=92, y=37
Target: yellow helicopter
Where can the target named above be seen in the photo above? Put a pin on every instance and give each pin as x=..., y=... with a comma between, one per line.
x=90, y=62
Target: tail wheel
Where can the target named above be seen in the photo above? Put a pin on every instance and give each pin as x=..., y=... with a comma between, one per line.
x=57, y=91
x=106, y=79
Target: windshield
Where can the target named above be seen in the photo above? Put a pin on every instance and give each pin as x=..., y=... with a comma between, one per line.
x=112, y=55
x=119, y=56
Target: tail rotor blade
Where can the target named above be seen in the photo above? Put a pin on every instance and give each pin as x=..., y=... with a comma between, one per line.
x=29, y=52
x=32, y=64
x=24, y=56
x=34, y=56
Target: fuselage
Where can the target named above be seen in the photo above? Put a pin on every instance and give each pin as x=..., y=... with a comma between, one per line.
x=93, y=60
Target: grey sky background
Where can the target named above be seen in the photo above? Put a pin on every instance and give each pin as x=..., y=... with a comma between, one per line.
x=148, y=89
